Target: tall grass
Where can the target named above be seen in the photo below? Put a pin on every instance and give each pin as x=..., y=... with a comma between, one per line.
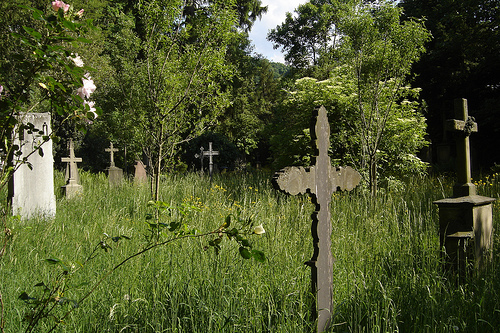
x=388, y=275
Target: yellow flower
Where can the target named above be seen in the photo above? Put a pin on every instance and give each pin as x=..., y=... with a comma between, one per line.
x=259, y=230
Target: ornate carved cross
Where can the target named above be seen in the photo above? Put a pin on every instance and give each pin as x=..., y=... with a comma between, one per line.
x=463, y=126
x=111, y=150
x=320, y=181
x=72, y=170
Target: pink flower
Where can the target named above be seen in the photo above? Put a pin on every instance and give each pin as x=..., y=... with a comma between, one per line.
x=80, y=13
x=1, y=88
x=88, y=87
x=59, y=4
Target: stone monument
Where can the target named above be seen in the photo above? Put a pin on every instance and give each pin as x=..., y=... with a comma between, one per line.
x=115, y=174
x=31, y=189
x=140, y=175
x=201, y=156
x=466, y=220
x=320, y=181
x=210, y=153
x=72, y=187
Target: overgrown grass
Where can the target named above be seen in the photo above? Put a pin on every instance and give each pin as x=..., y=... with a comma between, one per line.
x=387, y=276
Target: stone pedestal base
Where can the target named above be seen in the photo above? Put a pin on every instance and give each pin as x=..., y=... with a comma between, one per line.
x=466, y=230
x=115, y=175
x=72, y=190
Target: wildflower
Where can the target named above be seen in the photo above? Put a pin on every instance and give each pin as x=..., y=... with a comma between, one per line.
x=259, y=230
x=60, y=4
x=88, y=87
x=91, y=107
x=77, y=60
x=80, y=13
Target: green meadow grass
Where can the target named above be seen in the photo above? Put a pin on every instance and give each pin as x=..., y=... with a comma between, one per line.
x=388, y=275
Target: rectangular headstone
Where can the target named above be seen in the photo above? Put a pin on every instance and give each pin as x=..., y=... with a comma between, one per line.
x=31, y=191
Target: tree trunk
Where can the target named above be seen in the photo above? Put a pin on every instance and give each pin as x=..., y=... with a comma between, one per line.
x=158, y=165
x=373, y=175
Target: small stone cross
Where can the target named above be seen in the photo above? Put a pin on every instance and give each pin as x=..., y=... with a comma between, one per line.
x=463, y=126
x=72, y=167
x=320, y=181
x=210, y=153
x=111, y=150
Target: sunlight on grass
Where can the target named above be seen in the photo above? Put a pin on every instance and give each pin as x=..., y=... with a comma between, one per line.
x=387, y=272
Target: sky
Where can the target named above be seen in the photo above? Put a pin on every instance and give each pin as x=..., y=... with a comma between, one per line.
x=276, y=12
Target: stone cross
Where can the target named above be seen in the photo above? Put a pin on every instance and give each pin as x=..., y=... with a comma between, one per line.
x=111, y=150
x=463, y=126
x=72, y=169
x=320, y=181
x=210, y=153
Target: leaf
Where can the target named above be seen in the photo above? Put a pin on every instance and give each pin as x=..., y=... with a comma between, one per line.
x=40, y=152
x=258, y=255
x=33, y=32
x=245, y=253
x=245, y=243
x=227, y=223
x=84, y=40
x=70, y=25
x=53, y=261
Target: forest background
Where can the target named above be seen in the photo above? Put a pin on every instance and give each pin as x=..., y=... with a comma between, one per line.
x=173, y=75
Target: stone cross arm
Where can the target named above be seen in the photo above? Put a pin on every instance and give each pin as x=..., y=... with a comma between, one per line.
x=297, y=180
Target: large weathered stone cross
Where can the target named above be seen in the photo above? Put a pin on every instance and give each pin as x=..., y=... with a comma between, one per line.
x=111, y=150
x=72, y=169
x=463, y=126
x=210, y=153
x=320, y=180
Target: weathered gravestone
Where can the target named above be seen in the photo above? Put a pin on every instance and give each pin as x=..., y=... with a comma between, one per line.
x=31, y=189
x=72, y=187
x=466, y=220
x=115, y=174
x=320, y=181
x=140, y=175
x=201, y=156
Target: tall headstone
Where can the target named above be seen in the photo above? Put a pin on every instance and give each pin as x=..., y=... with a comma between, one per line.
x=320, y=181
x=140, y=175
x=72, y=187
x=31, y=190
x=115, y=174
x=466, y=220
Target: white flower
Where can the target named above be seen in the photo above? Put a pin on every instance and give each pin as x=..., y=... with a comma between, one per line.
x=88, y=87
x=259, y=230
x=77, y=60
x=91, y=107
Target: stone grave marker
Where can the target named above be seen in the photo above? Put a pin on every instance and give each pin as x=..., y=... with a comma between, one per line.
x=320, y=181
x=72, y=187
x=210, y=153
x=115, y=174
x=466, y=220
x=201, y=156
x=140, y=175
x=31, y=190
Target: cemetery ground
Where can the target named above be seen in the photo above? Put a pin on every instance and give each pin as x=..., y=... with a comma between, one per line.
x=388, y=272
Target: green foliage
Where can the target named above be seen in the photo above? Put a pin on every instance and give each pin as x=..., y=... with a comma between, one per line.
x=376, y=123
x=41, y=74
